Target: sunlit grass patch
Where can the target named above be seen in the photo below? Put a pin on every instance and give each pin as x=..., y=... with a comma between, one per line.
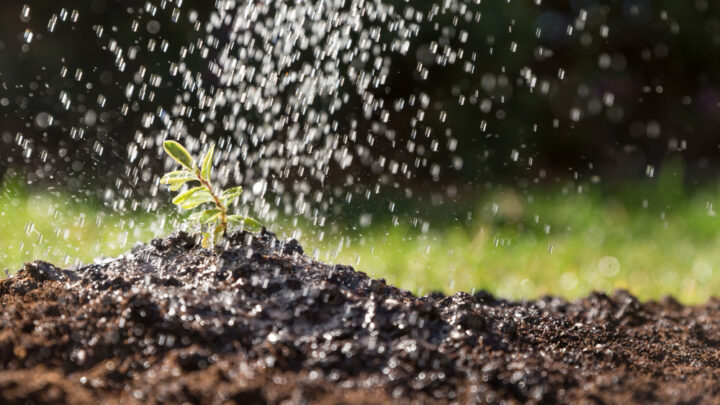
x=57, y=229
x=517, y=246
x=565, y=245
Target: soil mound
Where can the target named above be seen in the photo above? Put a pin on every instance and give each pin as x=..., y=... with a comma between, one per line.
x=260, y=322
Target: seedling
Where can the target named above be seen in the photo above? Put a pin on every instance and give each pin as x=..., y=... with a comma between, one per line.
x=216, y=219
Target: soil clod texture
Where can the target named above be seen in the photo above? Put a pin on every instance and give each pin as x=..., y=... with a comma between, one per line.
x=258, y=321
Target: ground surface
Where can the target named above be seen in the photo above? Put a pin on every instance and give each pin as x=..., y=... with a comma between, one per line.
x=260, y=322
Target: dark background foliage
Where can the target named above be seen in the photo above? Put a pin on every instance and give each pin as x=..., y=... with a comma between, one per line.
x=619, y=85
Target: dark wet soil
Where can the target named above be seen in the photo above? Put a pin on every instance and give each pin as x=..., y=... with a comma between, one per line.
x=260, y=322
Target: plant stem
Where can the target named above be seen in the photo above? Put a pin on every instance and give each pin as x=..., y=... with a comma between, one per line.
x=218, y=203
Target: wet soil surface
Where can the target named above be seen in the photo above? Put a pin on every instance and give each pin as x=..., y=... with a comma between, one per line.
x=260, y=322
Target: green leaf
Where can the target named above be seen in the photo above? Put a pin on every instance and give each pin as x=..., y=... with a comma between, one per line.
x=176, y=179
x=229, y=201
x=247, y=221
x=185, y=195
x=206, y=240
x=206, y=216
x=179, y=153
x=206, y=165
x=231, y=193
x=178, y=176
x=176, y=187
x=199, y=197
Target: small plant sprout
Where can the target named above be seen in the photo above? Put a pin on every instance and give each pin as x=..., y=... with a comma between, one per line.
x=216, y=219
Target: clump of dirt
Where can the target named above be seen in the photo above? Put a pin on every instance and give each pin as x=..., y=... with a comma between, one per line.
x=260, y=322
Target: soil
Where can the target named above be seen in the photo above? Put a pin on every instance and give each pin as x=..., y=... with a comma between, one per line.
x=260, y=322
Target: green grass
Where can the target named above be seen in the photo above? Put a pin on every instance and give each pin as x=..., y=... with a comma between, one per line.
x=650, y=238
x=56, y=228
x=591, y=244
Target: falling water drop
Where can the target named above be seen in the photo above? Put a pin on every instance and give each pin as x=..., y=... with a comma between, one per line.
x=25, y=13
x=650, y=171
x=52, y=23
x=28, y=36
x=43, y=120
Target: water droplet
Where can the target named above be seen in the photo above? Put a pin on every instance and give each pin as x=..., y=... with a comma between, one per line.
x=650, y=170
x=25, y=13
x=52, y=23
x=608, y=266
x=153, y=26
x=28, y=36
x=575, y=114
x=43, y=120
